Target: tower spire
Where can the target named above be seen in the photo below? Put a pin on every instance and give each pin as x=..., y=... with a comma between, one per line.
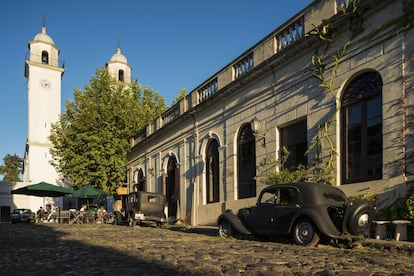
x=119, y=43
x=44, y=21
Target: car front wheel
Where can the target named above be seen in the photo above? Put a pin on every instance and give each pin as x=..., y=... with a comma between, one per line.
x=225, y=230
x=305, y=233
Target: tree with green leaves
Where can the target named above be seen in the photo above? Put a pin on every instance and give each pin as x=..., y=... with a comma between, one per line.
x=90, y=141
x=181, y=95
x=12, y=168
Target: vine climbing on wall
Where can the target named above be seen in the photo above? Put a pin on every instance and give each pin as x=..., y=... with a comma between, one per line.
x=327, y=34
x=325, y=61
x=273, y=171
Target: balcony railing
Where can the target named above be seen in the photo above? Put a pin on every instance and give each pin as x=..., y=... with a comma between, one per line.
x=208, y=90
x=283, y=37
x=169, y=115
x=245, y=65
x=290, y=34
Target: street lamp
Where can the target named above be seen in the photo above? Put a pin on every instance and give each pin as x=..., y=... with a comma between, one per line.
x=255, y=125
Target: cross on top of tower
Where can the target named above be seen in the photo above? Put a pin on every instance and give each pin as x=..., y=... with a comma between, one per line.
x=119, y=42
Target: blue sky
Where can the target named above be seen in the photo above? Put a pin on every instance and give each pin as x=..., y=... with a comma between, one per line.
x=170, y=44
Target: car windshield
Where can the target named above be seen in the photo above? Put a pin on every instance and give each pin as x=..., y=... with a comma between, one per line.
x=20, y=211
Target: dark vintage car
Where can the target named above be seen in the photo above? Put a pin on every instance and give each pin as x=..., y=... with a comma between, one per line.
x=305, y=211
x=142, y=208
x=22, y=215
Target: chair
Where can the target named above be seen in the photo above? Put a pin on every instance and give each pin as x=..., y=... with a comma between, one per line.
x=88, y=217
x=77, y=218
x=64, y=216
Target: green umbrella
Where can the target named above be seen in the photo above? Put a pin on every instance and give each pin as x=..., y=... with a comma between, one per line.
x=88, y=192
x=43, y=189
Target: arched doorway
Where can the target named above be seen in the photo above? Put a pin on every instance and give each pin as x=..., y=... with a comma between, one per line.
x=141, y=180
x=173, y=187
x=212, y=172
x=246, y=161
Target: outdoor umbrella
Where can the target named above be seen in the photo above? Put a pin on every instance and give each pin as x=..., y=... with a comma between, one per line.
x=88, y=192
x=43, y=189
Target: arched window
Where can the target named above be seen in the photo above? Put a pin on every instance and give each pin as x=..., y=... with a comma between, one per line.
x=121, y=75
x=212, y=171
x=45, y=57
x=135, y=180
x=362, y=129
x=141, y=180
x=173, y=186
x=246, y=163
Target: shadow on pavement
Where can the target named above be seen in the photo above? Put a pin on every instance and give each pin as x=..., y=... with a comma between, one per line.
x=40, y=250
x=204, y=230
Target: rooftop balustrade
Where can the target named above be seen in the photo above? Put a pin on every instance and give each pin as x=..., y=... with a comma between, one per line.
x=278, y=41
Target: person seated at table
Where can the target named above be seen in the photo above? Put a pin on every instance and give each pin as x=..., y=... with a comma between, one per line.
x=53, y=214
x=83, y=214
x=101, y=214
x=40, y=214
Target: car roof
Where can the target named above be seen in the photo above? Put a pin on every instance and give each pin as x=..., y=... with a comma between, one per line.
x=315, y=193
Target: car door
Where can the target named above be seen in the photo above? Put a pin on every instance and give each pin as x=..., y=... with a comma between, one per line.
x=261, y=217
x=286, y=208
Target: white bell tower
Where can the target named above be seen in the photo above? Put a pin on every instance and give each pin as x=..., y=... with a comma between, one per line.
x=119, y=68
x=44, y=75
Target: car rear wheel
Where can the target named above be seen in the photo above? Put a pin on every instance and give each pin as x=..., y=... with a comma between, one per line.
x=305, y=233
x=225, y=230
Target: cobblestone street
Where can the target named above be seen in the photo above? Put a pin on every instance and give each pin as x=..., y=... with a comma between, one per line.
x=62, y=249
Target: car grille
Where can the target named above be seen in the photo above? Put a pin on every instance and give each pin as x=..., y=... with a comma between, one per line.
x=337, y=216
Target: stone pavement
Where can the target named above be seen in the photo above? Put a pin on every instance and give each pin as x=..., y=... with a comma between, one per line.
x=98, y=249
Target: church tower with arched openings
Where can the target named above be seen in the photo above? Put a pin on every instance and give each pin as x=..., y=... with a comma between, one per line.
x=44, y=72
x=119, y=68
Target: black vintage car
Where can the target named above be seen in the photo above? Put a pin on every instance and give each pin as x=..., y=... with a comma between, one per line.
x=142, y=208
x=305, y=211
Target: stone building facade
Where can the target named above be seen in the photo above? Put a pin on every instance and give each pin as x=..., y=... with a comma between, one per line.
x=332, y=72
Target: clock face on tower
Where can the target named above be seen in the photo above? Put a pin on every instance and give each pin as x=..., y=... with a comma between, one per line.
x=45, y=83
